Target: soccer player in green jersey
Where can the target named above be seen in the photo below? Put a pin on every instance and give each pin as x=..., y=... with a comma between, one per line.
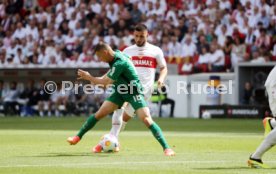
x=122, y=73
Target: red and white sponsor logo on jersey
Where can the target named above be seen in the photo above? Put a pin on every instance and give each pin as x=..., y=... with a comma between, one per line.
x=144, y=61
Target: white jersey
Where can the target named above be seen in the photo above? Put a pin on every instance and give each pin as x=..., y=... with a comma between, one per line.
x=271, y=79
x=145, y=60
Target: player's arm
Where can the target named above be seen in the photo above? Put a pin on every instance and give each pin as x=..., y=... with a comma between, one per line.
x=162, y=76
x=104, y=80
x=163, y=67
x=103, y=76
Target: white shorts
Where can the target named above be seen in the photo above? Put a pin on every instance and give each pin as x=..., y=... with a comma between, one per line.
x=129, y=109
x=271, y=91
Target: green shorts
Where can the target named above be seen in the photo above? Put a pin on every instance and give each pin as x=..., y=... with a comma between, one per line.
x=137, y=101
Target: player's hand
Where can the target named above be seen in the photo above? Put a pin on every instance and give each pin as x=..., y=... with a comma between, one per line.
x=160, y=83
x=83, y=75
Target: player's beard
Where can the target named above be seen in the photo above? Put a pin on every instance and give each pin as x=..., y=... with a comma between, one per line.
x=141, y=44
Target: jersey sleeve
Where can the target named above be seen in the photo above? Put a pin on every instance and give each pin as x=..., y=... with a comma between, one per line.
x=115, y=71
x=126, y=53
x=161, y=62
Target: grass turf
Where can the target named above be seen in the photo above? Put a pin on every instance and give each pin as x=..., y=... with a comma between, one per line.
x=38, y=145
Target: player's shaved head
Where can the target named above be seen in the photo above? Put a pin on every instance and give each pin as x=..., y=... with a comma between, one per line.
x=102, y=46
x=104, y=52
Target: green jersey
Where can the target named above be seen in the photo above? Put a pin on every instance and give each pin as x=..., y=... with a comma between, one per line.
x=123, y=72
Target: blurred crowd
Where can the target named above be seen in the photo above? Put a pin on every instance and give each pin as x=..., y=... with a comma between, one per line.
x=39, y=99
x=34, y=99
x=198, y=35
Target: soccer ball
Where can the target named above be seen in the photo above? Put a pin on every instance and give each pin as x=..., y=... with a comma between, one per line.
x=109, y=142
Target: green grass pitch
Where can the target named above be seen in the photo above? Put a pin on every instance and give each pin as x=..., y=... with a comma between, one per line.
x=38, y=146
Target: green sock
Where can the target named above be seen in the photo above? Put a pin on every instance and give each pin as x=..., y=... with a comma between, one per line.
x=90, y=123
x=157, y=133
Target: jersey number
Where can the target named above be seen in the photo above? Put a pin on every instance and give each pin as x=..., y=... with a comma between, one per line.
x=112, y=71
x=137, y=98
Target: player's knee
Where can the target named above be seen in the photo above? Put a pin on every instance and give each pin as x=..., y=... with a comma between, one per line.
x=148, y=121
x=126, y=117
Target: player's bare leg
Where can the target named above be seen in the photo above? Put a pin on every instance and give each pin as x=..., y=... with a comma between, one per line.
x=106, y=108
x=144, y=115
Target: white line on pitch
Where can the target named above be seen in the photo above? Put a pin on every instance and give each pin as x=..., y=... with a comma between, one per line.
x=108, y=163
x=116, y=163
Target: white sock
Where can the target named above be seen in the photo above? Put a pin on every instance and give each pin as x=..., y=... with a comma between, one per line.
x=57, y=113
x=41, y=114
x=123, y=126
x=273, y=123
x=117, y=122
x=267, y=143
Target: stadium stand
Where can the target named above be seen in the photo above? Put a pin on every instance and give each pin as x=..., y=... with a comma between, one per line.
x=51, y=32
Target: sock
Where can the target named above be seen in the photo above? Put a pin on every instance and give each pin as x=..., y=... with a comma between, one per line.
x=123, y=126
x=116, y=122
x=90, y=123
x=41, y=114
x=267, y=143
x=57, y=113
x=157, y=133
x=273, y=123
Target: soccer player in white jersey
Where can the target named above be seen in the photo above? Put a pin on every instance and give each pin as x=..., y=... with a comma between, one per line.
x=146, y=58
x=255, y=160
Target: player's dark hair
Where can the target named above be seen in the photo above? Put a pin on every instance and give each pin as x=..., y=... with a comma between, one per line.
x=101, y=46
x=140, y=27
